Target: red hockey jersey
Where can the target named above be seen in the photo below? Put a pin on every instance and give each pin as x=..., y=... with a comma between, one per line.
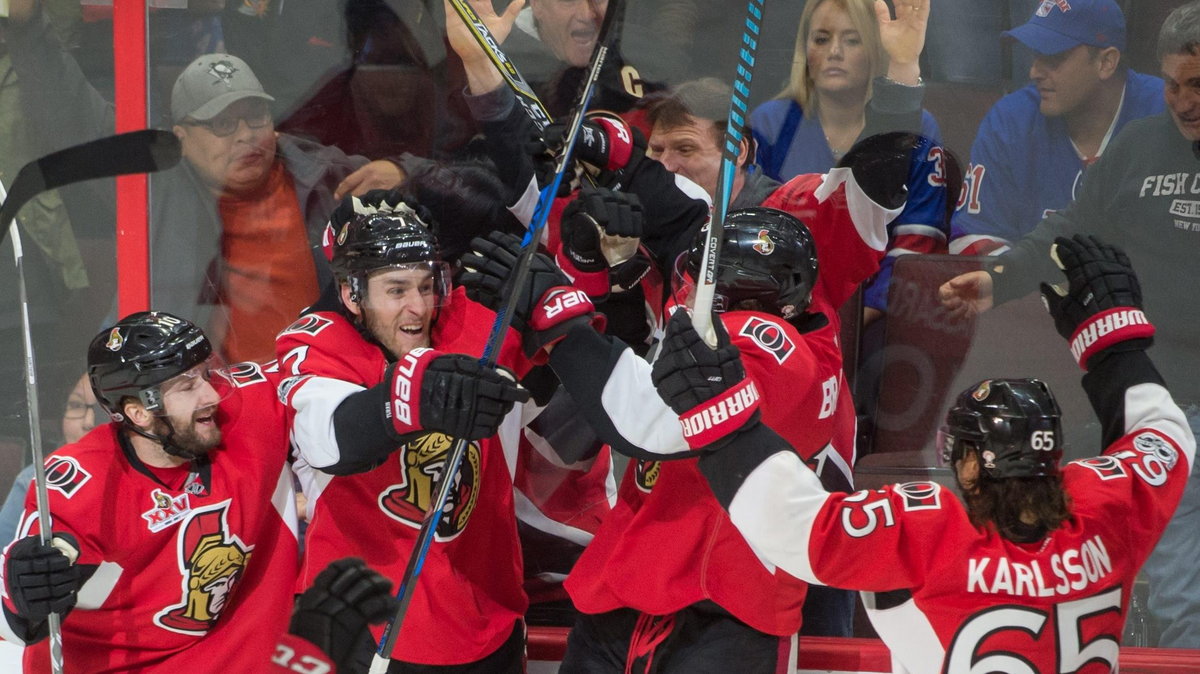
x=185, y=577
x=469, y=593
x=668, y=543
x=979, y=602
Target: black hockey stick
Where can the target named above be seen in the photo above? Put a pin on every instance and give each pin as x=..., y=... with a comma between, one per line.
x=136, y=152
x=144, y=151
x=735, y=132
x=520, y=276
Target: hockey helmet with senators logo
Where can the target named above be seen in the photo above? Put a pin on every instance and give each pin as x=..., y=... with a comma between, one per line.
x=397, y=239
x=1014, y=424
x=768, y=262
x=139, y=355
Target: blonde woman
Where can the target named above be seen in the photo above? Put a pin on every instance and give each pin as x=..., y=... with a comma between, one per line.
x=842, y=46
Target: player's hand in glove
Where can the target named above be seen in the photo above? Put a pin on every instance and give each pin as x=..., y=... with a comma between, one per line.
x=605, y=146
x=547, y=307
x=605, y=142
x=1100, y=309
x=708, y=388
x=601, y=231
x=334, y=614
x=880, y=166
x=453, y=394
x=41, y=578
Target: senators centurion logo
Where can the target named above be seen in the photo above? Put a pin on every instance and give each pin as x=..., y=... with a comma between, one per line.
x=211, y=562
x=421, y=463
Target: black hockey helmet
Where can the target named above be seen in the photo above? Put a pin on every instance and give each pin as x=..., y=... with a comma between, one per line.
x=369, y=243
x=1015, y=424
x=139, y=354
x=768, y=262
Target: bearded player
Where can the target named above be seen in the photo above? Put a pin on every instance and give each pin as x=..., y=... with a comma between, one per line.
x=1033, y=569
x=179, y=515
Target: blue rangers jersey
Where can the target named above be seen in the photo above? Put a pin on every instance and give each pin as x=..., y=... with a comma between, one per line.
x=1023, y=166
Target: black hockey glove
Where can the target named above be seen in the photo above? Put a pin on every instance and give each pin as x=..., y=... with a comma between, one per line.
x=707, y=387
x=1100, y=310
x=334, y=614
x=448, y=393
x=880, y=166
x=42, y=578
x=601, y=228
x=547, y=307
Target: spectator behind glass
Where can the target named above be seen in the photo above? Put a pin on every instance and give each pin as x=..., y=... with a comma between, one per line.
x=396, y=94
x=1031, y=150
x=1134, y=197
x=81, y=415
x=551, y=42
x=823, y=111
x=236, y=227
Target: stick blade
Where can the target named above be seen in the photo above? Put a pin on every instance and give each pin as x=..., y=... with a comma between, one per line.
x=144, y=151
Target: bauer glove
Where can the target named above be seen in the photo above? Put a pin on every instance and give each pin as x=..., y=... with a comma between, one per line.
x=547, y=307
x=453, y=394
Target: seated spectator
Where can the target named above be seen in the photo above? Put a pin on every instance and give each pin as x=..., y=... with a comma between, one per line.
x=840, y=47
x=236, y=227
x=81, y=415
x=1031, y=150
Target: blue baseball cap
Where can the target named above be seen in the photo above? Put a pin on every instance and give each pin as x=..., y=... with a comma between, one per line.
x=1059, y=25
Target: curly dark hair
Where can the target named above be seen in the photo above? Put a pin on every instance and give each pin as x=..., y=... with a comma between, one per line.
x=999, y=503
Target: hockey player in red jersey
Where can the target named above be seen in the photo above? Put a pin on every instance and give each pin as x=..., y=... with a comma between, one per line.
x=332, y=618
x=666, y=563
x=180, y=514
x=379, y=388
x=1032, y=570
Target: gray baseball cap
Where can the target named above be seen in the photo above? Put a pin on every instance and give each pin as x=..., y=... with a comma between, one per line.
x=210, y=84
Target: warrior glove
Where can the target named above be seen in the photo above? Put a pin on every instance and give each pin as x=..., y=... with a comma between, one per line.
x=1100, y=310
x=708, y=388
x=453, y=394
x=335, y=612
x=547, y=307
x=41, y=578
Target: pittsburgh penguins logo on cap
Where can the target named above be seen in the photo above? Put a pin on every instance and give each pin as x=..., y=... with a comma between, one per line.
x=223, y=71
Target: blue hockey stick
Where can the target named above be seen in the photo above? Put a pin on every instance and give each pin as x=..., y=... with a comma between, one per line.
x=735, y=132
x=391, y=634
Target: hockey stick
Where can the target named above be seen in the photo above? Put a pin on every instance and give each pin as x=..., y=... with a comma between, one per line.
x=144, y=151
x=735, y=132
x=520, y=275
x=137, y=152
x=525, y=95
